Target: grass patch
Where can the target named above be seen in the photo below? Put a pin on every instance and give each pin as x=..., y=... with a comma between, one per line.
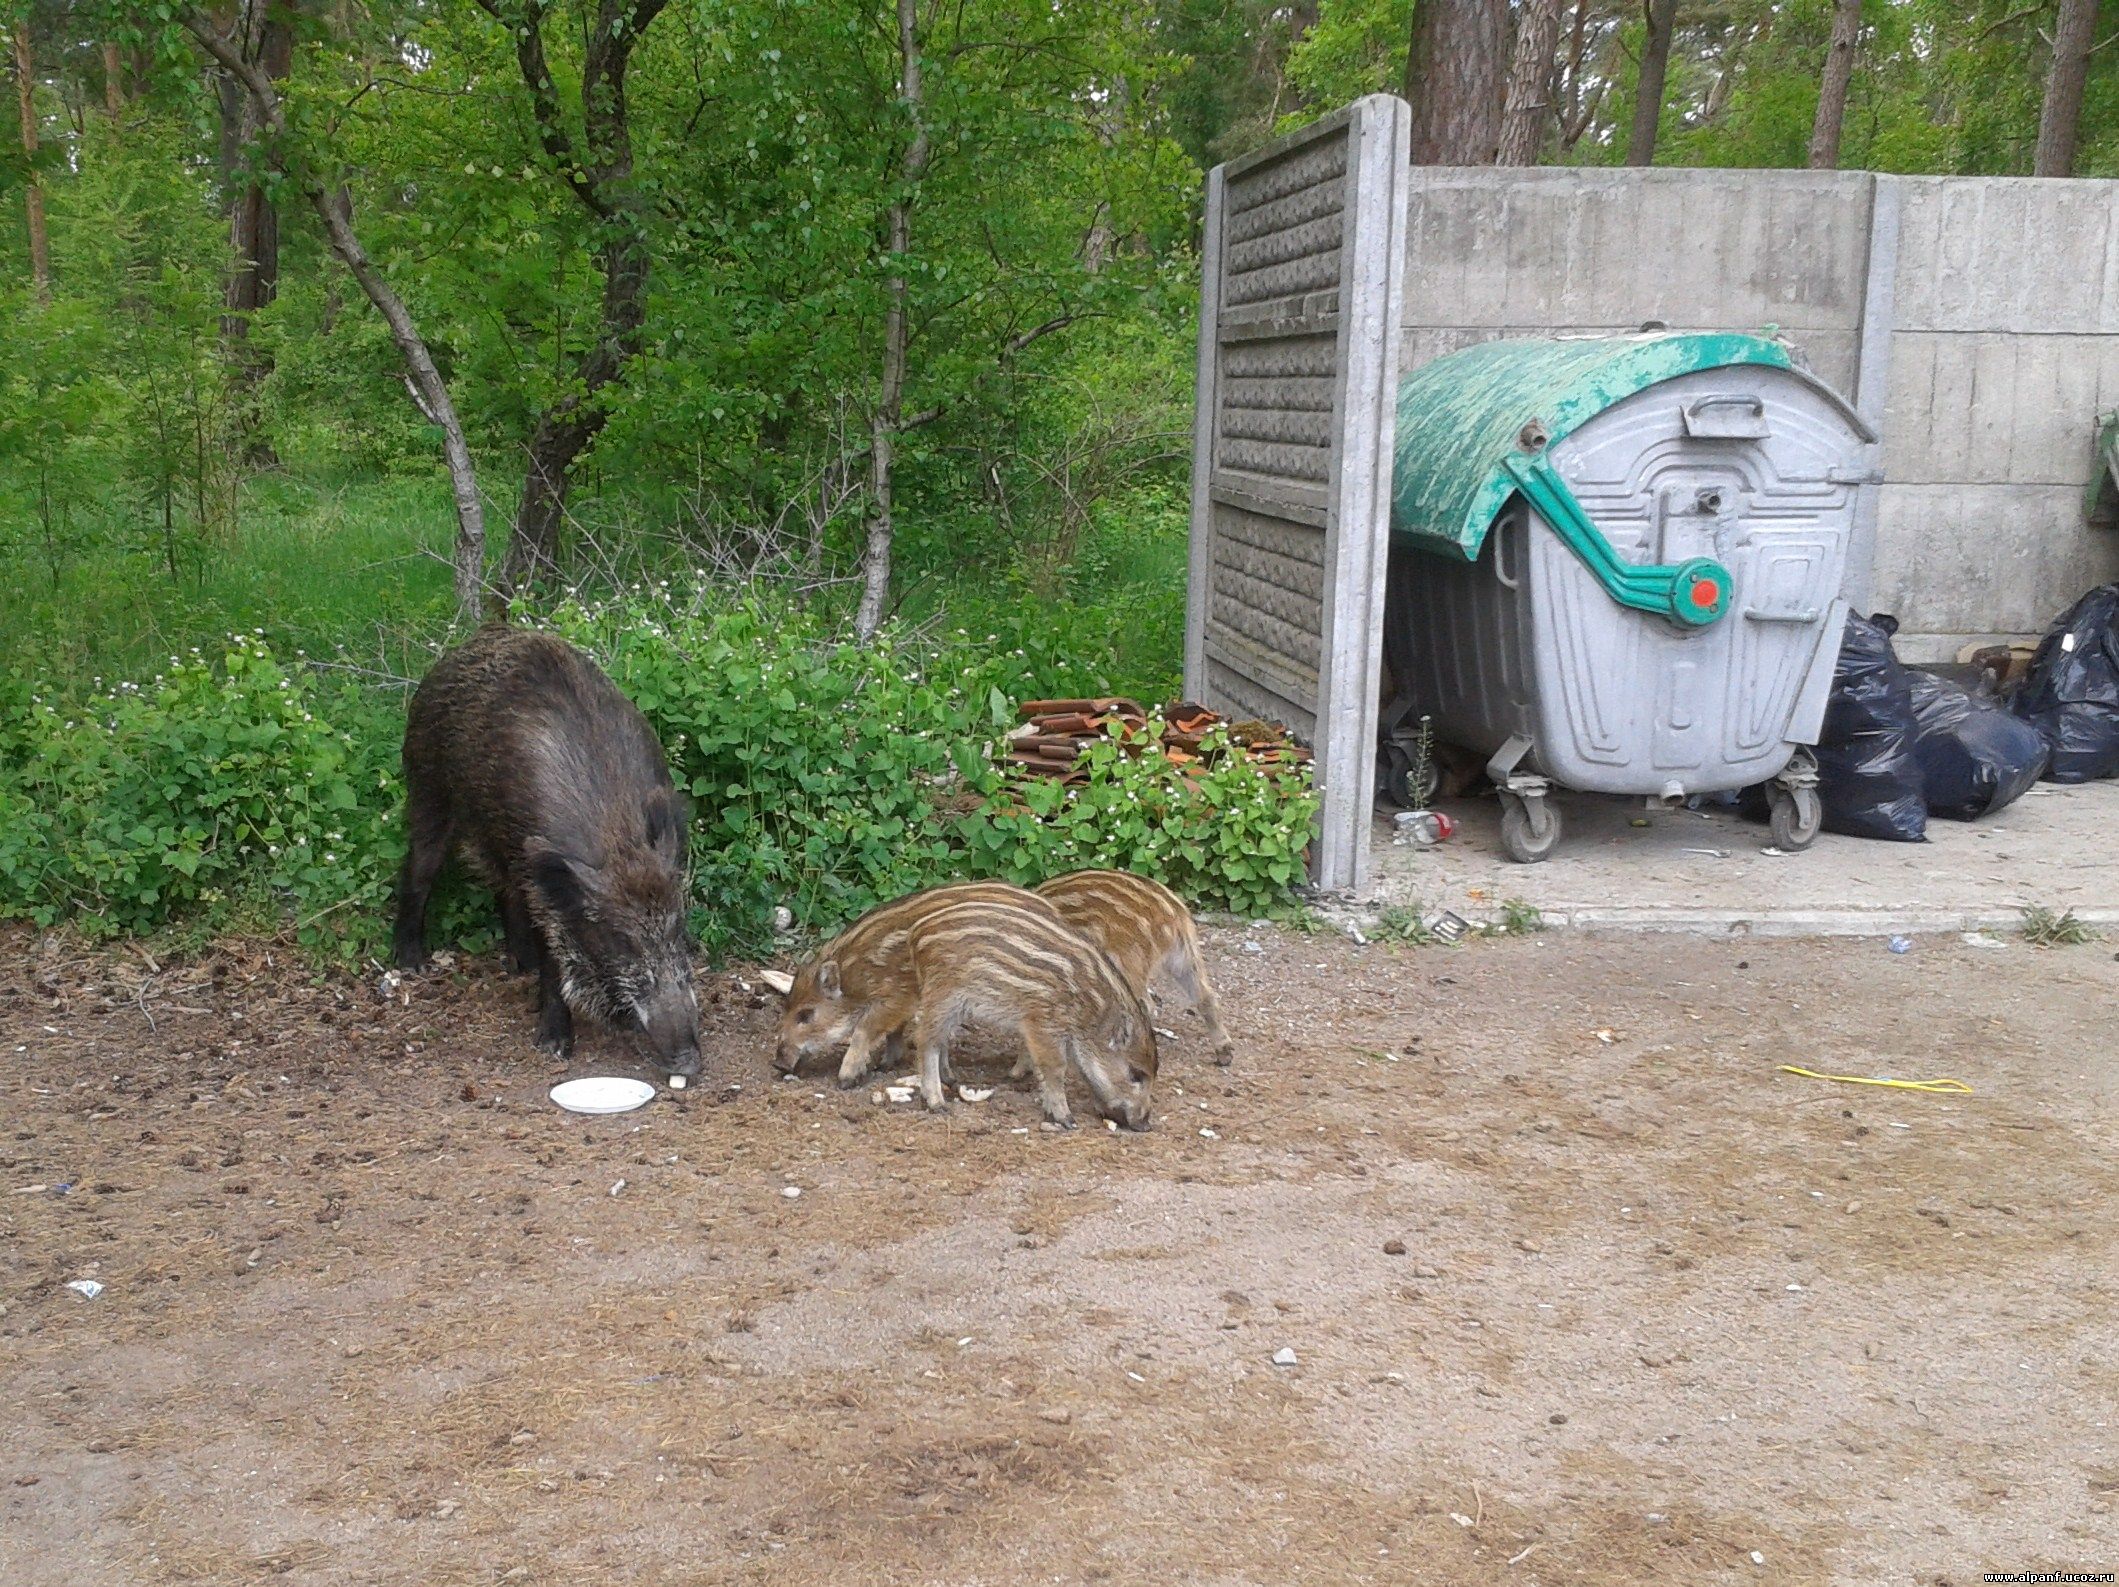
x=1404, y=923
x=1519, y=918
x=354, y=570
x=2042, y=928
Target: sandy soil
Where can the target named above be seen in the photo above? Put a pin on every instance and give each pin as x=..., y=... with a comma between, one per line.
x=375, y=1312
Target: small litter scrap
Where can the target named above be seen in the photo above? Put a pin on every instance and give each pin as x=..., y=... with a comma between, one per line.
x=1055, y=732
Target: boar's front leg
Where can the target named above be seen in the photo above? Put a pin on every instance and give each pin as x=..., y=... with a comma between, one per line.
x=525, y=950
x=1191, y=978
x=1045, y=1056
x=860, y=1052
x=555, y=1022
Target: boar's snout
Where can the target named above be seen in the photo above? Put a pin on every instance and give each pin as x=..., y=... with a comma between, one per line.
x=671, y=1027
x=1129, y=1113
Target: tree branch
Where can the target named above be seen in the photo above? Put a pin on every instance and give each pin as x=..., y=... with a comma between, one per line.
x=527, y=26
x=1009, y=349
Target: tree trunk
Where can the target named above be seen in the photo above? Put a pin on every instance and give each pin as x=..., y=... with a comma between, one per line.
x=113, y=82
x=1101, y=240
x=1453, y=80
x=601, y=178
x=890, y=400
x=265, y=34
x=1528, y=111
x=430, y=394
x=1578, y=98
x=1832, y=91
x=40, y=256
x=2060, y=121
x=565, y=429
x=254, y=229
x=1662, y=17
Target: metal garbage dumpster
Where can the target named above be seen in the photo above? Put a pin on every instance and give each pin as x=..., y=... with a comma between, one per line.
x=1615, y=566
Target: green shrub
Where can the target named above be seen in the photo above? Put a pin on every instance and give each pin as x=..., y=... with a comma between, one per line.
x=215, y=786
x=241, y=791
x=1233, y=839
x=817, y=771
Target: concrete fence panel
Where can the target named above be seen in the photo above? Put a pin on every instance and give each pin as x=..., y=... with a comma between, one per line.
x=1300, y=311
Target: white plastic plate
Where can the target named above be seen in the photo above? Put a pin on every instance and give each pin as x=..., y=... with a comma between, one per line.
x=602, y=1094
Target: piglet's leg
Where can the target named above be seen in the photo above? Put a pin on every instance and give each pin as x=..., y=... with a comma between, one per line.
x=860, y=1052
x=1191, y=978
x=1050, y=1063
x=929, y=1042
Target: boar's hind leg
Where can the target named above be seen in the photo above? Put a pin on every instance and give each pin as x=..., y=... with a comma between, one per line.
x=426, y=847
x=1191, y=978
x=525, y=951
x=930, y=1040
x=555, y=1021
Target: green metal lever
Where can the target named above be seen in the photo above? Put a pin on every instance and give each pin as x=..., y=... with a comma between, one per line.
x=1694, y=592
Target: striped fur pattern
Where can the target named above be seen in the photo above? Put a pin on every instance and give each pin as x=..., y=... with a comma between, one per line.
x=842, y=993
x=1012, y=967
x=1149, y=934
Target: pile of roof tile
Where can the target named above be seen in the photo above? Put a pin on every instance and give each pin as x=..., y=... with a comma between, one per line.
x=1055, y=732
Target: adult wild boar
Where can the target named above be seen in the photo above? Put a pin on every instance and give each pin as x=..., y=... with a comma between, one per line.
x=524, y=759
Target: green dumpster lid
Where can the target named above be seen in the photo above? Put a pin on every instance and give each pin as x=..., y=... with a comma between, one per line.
x=1462, y=415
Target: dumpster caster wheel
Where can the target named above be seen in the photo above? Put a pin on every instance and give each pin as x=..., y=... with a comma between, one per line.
x=1530, y=828
x=1795, y=817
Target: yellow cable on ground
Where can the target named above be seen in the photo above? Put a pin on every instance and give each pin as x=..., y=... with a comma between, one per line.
x=1952, y=1088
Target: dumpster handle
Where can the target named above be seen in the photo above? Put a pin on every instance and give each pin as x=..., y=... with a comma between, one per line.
x=1750, y=427
x=1692, y=593
x=1508, y=555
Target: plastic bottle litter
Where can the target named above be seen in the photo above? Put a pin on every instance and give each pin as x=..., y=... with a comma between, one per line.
x=86, y=1288
x=1901, y=944
x=1425, y=828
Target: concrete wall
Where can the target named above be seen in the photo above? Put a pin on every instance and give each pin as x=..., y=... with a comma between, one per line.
x=2004, y=349
x=1974, y=322
x=1971, y=320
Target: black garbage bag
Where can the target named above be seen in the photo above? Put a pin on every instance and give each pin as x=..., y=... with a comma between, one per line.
x=2072, y=693
x=1867, y=776
x=1974, y=756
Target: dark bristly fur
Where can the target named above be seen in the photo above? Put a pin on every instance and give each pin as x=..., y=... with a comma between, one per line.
x=522, y=757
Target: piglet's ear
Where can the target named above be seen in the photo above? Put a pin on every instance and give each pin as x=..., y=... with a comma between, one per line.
x=779, y=980
x=828, y=978
x=562, y=880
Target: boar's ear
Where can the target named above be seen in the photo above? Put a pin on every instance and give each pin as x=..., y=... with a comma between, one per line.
x=562, y=879
x=828, y=978
x=667, y=821
x=779, y=980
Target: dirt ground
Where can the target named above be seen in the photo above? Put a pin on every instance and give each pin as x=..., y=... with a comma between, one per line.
x=376, y=1312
